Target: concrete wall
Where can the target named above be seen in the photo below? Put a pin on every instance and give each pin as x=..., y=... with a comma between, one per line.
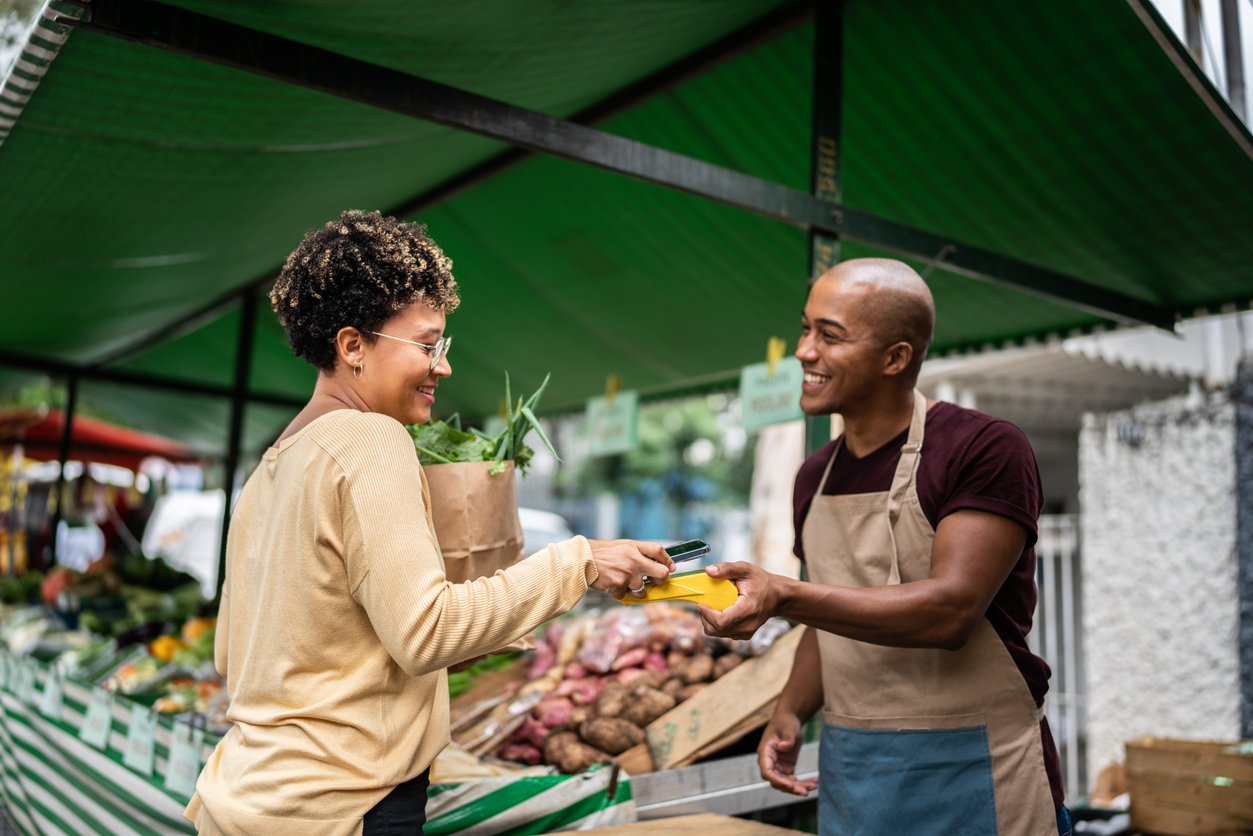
x=1161, y=615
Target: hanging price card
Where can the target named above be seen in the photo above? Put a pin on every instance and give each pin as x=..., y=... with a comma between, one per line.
x=26, y=686
x=182, y=768
x=612, y=423
x=53, y=696
x=771, y=399
x=98, y=723
x=141, y=740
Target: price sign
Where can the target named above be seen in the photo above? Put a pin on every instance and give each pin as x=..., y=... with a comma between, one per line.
x=141, y=740
x=183, y=766
x=53, y=696
x=612, y=423
x=767, y=399
x=98, y=723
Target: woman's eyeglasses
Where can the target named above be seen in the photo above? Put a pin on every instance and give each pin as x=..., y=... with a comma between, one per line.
x=437, y=351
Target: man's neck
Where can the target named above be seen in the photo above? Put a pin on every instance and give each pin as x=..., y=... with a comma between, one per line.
x=869, y=428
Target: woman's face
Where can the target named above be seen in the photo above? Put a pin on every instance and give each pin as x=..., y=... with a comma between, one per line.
x=396, y=377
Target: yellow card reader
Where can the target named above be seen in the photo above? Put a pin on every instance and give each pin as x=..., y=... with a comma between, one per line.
x=697, y=587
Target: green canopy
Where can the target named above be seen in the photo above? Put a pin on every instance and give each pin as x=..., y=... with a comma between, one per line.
x=143, y=187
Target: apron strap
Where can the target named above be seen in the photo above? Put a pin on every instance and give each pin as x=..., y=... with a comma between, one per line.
x=827, y=472
x=903, y=480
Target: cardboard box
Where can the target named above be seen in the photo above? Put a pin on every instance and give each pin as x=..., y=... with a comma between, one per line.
x=1190, y=786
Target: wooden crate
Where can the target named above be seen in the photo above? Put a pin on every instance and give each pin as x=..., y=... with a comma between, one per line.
x=1190, y=786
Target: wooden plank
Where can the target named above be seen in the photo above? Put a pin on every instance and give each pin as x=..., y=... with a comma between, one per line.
x=701, y=824
x=1158, y=817
x=749, y=724
x=637, y=760
x=695, y=723
x=1199, y=758
x=1234, y=799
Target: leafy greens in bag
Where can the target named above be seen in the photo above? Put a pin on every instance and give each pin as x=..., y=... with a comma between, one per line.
x=444, y=442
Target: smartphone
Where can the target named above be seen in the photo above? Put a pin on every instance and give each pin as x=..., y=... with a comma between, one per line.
x=687, y=550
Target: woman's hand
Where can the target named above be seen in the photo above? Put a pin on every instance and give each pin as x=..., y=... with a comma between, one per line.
x=628, y=566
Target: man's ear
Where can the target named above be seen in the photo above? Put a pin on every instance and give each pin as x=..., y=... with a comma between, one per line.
x=349, y=345
x=896, y=358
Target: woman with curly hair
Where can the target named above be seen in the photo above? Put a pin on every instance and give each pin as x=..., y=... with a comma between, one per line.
x=337, y=625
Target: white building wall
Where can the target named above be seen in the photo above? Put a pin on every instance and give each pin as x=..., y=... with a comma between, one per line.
x=1159, y=574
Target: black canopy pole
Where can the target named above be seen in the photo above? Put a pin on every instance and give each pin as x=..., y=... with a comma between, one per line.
x=239, y=403
x=828, y=104
x=63, y=456
x=1233, y=57
x=207, y=38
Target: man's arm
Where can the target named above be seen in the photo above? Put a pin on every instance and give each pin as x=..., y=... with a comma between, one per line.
x=781, y=741
x=973, y=553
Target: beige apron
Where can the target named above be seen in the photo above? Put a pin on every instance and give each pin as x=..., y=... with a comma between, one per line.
x=916, y=740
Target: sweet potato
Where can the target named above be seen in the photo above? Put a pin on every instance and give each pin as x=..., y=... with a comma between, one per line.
x=611, y=734
x=646, y=705
x=554, y=712
x=519, y=752
x=532, y=732
x=631, y=659
x=565, y=751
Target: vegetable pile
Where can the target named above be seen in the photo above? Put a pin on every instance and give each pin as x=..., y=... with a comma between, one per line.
x=596, y=683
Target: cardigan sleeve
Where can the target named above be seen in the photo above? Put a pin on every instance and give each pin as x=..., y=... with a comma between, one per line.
x=396, y=574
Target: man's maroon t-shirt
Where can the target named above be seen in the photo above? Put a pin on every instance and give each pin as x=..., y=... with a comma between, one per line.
x=969, y=461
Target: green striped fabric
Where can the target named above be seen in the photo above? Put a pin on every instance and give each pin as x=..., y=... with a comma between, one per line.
x=52, y=782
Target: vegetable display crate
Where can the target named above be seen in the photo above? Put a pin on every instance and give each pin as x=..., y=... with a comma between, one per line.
x=1190, y=786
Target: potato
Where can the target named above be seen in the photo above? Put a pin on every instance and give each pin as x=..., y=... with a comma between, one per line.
x=690, y=691
x=646, y=705
x=611, y=734
x=672, y=687
x=565, y=751
x=725, y=663
x=697, y=669
x=612, y=700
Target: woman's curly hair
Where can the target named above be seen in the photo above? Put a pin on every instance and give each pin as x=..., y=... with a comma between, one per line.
x=358, y=271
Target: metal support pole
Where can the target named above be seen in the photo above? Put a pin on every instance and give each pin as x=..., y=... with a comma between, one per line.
x=239, y=403
x=828, y=100
x=1192, y=31
x=63, y=456
x=1233, y=57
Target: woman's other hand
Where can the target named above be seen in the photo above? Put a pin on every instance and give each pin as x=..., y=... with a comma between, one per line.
x=628, y=566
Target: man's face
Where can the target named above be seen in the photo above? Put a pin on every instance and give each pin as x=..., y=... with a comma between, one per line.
x=841, y=354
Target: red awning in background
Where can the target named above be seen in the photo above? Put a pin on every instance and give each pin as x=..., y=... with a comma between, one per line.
x=39, y=433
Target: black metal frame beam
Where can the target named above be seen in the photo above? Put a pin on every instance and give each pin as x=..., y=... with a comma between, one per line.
x=760, y=31
x=144, y=379
x=239, y=403
x=63, y=456
x=290, y=62
x=826, y=142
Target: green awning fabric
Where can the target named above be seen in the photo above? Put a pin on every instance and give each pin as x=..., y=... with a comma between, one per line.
x=141, y=185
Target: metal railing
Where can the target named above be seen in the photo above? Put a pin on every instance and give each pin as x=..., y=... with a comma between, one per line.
x=1057, y=637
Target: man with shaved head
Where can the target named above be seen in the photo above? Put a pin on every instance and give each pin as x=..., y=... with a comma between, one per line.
x=917, y=528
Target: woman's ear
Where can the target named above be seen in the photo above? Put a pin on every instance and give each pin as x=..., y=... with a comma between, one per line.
x=350, y=346
x=897, y=357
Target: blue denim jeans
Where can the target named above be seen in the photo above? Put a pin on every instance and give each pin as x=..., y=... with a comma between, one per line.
x=1064, y=827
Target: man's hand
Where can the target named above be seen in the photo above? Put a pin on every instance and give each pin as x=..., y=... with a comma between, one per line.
x=758, y=601
x=776, y=755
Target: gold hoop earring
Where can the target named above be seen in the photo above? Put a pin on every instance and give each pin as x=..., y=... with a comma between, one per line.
x=357, y=369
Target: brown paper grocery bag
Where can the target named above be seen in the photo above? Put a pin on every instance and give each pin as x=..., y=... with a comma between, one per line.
x=475, y=514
